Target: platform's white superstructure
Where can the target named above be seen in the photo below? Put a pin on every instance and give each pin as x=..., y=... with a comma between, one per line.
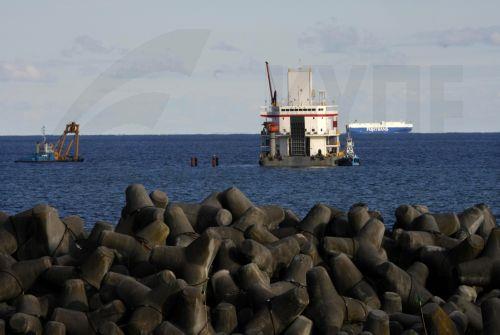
x=303, y=125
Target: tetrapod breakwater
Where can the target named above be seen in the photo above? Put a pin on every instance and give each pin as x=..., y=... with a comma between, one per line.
x=225, y=266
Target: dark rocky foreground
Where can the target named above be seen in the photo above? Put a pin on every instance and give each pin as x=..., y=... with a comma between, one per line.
x=227, y=266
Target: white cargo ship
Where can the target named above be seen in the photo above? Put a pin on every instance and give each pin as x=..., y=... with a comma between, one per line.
x=380, y=127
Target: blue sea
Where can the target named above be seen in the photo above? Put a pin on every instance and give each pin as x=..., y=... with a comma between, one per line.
x=446, y=172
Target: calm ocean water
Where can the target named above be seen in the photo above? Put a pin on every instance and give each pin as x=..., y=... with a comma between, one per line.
x=447, y=172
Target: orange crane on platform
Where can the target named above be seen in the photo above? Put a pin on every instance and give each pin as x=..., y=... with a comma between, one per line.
x=63, y=154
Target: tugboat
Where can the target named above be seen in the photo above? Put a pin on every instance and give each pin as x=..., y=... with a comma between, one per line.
x=349, y=158
x=46, y=152
x=302, y=130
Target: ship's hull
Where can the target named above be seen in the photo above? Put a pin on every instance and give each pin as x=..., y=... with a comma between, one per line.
x=30, y=161
x=298, y=162
x=348, y=161
x=381, y=129
x=33, y=160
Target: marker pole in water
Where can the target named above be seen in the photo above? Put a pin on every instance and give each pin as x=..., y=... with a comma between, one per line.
x=215, y=161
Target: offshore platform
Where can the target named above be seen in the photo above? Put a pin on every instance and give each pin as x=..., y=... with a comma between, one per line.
x=46, y=152
x=302, y=131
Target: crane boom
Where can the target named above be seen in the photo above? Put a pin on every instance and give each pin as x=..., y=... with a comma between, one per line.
x=273, y=96
x=60, y=153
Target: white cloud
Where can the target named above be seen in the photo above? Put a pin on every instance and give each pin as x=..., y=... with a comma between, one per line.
x=19, y=72
x=176, y=52
x=248, y=65
x=225, y=46
x=495, y=37
x=329, y=36
x=87, y=45
x=489, y=36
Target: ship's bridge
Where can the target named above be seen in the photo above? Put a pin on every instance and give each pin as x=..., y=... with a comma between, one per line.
x=305, y=129
x=316, y=120
x=287, y=111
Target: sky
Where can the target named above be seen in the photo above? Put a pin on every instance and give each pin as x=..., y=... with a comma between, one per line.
x=172, y=67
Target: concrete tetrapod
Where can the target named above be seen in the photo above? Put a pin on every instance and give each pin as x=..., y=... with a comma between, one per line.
x=397, y=280
x=191, y=315
x=20, y=276
x=203, y=216
x=74, y=295
x=365, y=248
x=181, y=231
x=77, y=322
x=21, y=323
x=301, y=326
x=484, y=270
x=491, y=316
x=40, y=232
x=191, y=263
x=234, y=201
x=437, y=322
x=326, y=307
x=148, y=313
x=279, y=313
x=272, y=258
x=225, y=319
x=54, y=328
x=159, y=199
x=349, y=281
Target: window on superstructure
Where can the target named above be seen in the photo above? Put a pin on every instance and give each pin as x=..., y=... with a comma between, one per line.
x=331, y=140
